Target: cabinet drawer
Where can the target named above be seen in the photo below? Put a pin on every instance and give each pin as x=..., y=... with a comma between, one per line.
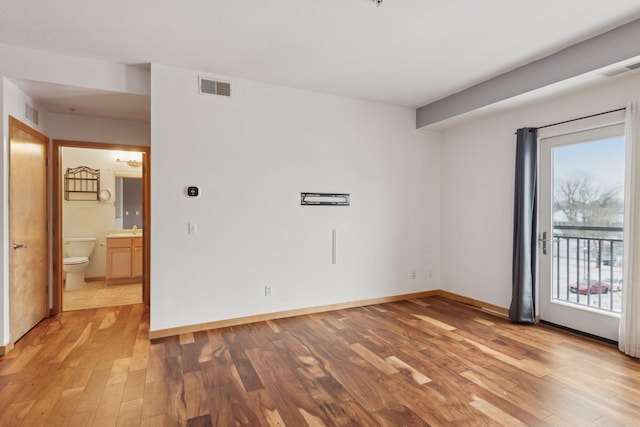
x=119, y=243
x=137, y=242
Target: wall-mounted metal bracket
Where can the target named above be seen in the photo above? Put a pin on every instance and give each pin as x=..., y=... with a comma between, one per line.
x=325, y=199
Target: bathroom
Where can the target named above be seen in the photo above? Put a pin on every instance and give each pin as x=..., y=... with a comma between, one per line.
x=101, y=199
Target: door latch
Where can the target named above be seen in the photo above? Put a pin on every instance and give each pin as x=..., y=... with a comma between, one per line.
x=542, y=239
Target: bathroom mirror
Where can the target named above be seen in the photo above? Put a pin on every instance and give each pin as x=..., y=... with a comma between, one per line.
x=128, y=202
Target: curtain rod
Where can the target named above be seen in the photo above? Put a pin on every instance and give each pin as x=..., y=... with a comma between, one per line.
x=582, y=118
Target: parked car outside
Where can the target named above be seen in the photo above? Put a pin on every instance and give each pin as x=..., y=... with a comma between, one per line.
x=616, y=285
x=608, y=260
x=591, y=286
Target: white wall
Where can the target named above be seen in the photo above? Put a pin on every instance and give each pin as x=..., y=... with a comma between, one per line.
x=252, y=155
x=96, y=129
x=478, y=181
x=14, y=102
x=93, y=218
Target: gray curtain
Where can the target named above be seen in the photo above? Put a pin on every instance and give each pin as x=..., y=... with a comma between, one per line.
x=522, y=308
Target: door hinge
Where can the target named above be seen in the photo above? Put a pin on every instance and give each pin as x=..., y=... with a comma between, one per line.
x=46, y=288
x=46, y=161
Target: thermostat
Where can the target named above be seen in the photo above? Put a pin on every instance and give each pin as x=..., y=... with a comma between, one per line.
x=193, y=191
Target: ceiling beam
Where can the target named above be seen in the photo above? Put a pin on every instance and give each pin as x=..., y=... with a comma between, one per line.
x=619, y=44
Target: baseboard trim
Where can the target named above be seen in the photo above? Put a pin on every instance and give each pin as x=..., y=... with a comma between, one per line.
x=4, y=349
x=95, y=279
x=494, y=309
x=163, y=333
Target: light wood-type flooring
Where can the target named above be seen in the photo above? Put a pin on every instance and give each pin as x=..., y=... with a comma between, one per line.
x=99, y=294
x=427, y=361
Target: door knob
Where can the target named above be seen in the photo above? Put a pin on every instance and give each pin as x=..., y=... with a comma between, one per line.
x=19, y=245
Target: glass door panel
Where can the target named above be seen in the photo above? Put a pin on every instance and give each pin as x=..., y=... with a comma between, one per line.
x=581, y=223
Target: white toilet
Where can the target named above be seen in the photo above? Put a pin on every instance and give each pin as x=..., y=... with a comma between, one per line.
x=77, y=251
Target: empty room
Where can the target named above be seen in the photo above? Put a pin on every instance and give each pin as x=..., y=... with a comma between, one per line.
x=292, y=213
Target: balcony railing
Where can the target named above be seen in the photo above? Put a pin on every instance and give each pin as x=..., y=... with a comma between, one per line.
x=587, y=266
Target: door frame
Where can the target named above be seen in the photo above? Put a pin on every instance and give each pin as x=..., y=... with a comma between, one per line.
x=58, y=251
x=17, y=124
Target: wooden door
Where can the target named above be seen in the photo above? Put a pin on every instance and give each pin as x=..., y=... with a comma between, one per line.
x=27, y=228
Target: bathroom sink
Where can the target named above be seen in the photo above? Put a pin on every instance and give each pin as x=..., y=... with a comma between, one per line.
x=124, y=235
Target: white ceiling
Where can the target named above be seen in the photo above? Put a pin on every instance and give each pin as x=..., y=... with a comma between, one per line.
x=405, y=52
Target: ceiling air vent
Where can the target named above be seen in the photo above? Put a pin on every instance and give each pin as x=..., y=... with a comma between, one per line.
x=31, y=113
x=214, y=87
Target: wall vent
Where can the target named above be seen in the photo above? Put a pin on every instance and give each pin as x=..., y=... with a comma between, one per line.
x=31, y=113
x=214, y=87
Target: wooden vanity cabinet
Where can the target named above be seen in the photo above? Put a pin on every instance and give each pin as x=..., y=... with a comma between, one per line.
x=124, y=259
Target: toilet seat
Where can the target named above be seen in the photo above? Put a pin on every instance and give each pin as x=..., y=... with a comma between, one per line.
x=75, y=260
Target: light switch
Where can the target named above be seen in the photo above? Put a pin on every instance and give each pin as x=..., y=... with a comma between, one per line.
x=193, y=228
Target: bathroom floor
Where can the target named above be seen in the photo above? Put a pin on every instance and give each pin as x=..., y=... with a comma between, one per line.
x=98, y=294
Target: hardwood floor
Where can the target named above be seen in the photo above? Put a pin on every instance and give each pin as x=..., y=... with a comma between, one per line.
x=427, y=361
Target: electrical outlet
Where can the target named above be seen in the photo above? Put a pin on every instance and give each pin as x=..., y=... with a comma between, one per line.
x=413, y=275
x=267, y=290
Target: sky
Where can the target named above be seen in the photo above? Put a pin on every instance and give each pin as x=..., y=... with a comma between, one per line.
x=602, y=160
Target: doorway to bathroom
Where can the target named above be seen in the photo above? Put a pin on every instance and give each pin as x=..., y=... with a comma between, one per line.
x=101, y=238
